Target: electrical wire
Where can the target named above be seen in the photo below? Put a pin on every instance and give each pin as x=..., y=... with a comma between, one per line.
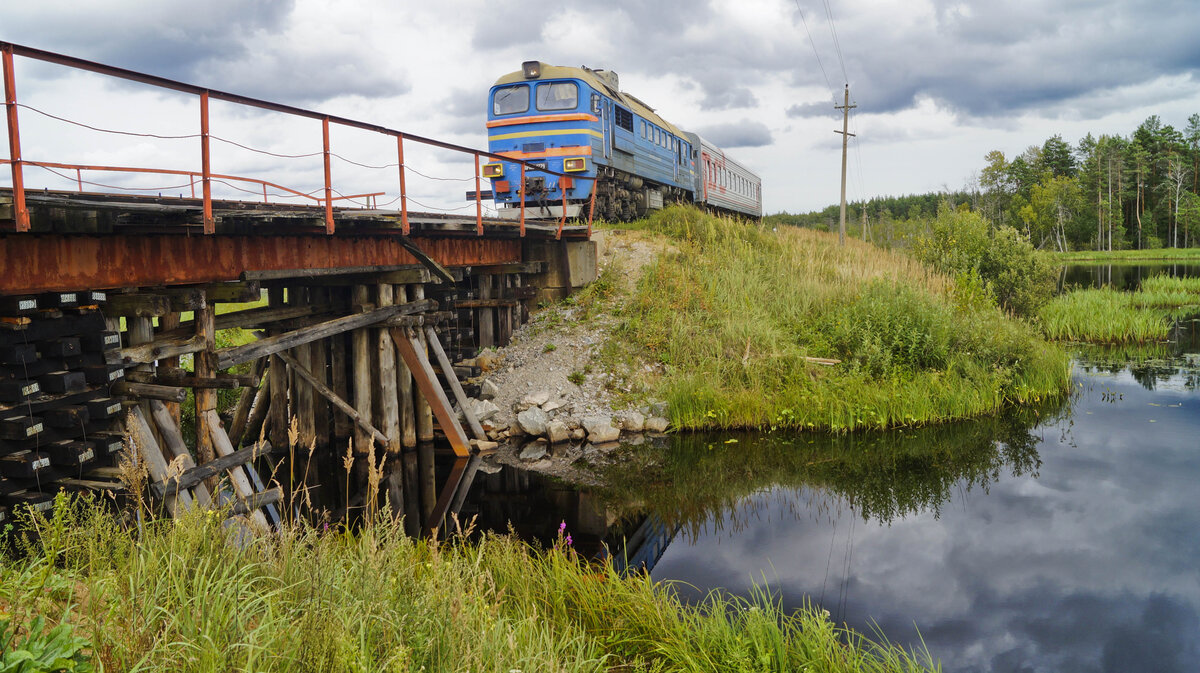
x=813, y=44
x=836, y=44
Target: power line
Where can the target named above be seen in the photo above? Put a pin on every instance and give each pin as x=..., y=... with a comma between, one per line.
x=813, y=44
x=836, y=44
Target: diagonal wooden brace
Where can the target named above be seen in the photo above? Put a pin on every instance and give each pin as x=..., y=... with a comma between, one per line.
x=414, y=356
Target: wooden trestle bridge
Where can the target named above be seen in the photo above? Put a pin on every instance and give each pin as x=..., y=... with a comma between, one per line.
x=111, y=319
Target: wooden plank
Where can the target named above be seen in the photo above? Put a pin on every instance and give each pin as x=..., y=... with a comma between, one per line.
x=228, y=357
x=166, y=323
x=358, y=418
x=176, y=501
x=258, y=414
x=435, y=345
x=486, y=303
x=176, y=449
x=237, y=475
x=165, y=376
x=413, y=352
x=389, y=399
x=250, y=318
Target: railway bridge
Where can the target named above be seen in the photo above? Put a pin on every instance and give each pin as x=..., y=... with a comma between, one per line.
x=128, y=294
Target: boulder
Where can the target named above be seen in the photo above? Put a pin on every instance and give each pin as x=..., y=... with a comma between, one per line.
x=484, y=445
x=483, y=409
x=578, y=433
x=533, y=421
x=533, y=451
x=556, y=431
x=657, y=424
x=632, y=421
x=600, y=429
x=488, y=390
x=552, y=405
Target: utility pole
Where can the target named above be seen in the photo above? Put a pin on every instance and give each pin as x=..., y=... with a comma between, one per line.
x=845, y=107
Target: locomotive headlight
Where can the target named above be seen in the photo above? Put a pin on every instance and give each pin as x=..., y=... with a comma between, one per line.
x=576, y=164
x=493, y=170
x=532, y=69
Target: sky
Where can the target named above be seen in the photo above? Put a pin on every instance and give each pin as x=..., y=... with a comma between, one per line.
x=937, y=84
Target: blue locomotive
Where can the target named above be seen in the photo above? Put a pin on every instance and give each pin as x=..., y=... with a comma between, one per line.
x=577, y=121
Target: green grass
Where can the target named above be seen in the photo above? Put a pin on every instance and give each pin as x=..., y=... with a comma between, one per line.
x=180, y=597
x=1179, y=254
x=1102, y=316
x=1108, y=316
x=734, y=314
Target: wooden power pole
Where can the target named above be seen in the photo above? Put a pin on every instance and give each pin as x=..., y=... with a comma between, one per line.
x=845, y=107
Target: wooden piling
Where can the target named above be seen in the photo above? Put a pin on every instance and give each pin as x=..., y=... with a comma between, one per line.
x=404, y=389
x=423, y=410
x=360, y=341
x=277, y=419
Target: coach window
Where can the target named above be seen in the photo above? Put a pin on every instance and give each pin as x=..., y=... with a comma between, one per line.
x=510, y=100
x=557, y=96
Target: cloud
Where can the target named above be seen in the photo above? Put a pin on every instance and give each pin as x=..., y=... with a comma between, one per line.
x=745, y=133
x=810, y=110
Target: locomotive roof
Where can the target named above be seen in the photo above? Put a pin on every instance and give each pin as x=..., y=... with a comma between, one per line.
x=588, y=75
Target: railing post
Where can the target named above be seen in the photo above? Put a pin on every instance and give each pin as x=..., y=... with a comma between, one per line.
x=478, y=200
x=403, y=189
x=20, y=212
x=328, y=177
x=205, y=166
x=522, y=198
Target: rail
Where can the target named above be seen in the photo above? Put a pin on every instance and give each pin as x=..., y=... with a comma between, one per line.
x=206, y=175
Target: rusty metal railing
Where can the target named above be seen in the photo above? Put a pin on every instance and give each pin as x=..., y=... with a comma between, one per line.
x=206, y=176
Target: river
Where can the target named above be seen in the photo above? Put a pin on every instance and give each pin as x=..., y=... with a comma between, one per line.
x=1064, y=538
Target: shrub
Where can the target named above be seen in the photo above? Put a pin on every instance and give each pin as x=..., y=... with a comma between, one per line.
x=1017, y=276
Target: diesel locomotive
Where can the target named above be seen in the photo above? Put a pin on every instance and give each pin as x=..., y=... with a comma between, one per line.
x=578, y=122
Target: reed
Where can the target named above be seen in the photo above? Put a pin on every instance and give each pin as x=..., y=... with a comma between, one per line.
x=180, y=597
x=738, y=313
x=1102, y=316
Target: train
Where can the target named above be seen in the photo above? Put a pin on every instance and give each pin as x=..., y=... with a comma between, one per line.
x=577, y=121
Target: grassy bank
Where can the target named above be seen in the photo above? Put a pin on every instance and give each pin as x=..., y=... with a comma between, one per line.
x=736, y=315
x=180, y=598
x=1108, y=316
x=1158, y=254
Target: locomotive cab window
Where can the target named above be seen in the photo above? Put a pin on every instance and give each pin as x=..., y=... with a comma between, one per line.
x=510, y=100
x=557, y=96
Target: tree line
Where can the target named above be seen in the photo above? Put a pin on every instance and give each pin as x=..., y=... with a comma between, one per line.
x=1104, y=193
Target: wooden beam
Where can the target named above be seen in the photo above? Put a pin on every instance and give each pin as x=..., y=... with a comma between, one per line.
x=435, y=345
x=176, y=500
x=208, y=470
x=360, y=370
x=137, y=305
x=237, y=475
x=150, y=391
x=278, y=419
x=257, y=502
x=169, y=378
x=158, y=350
x=176, y=449
x=516, y=267
x=404, y=391
x=228, y=357
x=389, y=397
x=338, y=402
x=414, y=356
x=485, y=303
x=249, y=318
x=205, y=362
x=281, y=274
x=446, y=496
x=430, y=263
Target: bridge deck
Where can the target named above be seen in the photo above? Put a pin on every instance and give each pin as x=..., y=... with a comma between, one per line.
x=91, y=240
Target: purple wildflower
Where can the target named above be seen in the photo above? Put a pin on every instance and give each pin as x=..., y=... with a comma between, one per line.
x=569, y=539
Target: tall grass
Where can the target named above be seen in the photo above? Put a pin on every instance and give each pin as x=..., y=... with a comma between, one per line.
x=182, y=598
x=1108, y=316
x=736, y=315
x=1182, y=254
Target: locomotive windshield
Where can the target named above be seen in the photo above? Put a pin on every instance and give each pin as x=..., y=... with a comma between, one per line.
x=557, y=96
x=510, y=100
